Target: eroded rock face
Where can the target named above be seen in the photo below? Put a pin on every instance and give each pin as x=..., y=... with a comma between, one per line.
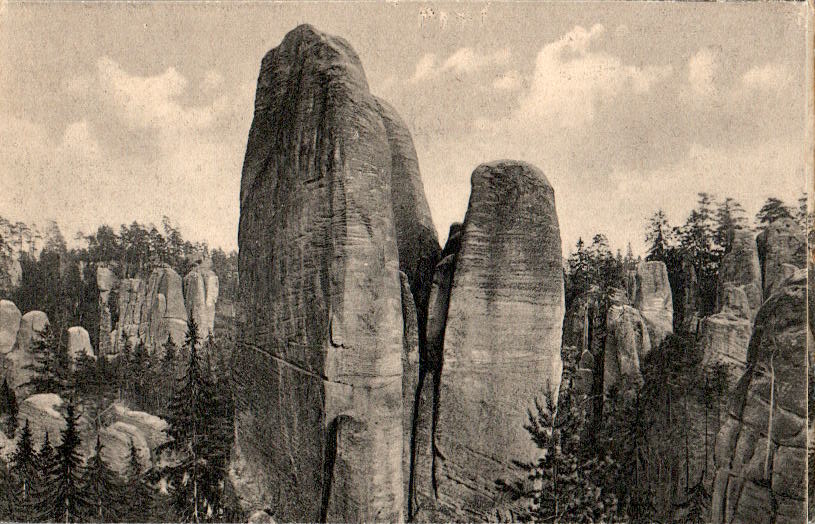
x=740, y=269
x=627, y=341
x=652, y=296
x=502, y=338
x=9, y=325
x=781, y=243
x=319, y=415
x=724, y=338
x=16, y=361
x=200, y=297
x=761, y=448
x=79, y=343
x=105, y=283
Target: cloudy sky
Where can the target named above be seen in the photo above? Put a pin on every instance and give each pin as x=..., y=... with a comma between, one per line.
x=114, y=112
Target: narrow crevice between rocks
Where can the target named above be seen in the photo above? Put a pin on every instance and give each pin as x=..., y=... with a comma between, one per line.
x=328, y=466
x=417, y=396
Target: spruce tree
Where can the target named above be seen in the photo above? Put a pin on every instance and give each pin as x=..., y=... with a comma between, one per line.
x=7, y=493
x=139, y=495
x=772, y=210
x=102, y=488
x=51, y=362
x=64, y=500
x=8, y=409
x=25, y=467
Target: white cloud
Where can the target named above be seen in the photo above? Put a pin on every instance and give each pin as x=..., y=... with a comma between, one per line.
x=769, y=76
x=702, y=70
x=464, y=60
x=424, y=67
x=151, y=101
x=508, y=81
x=569, y=79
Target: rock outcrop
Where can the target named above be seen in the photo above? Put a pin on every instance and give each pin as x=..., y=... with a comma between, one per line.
x=652, y=296
x=16, y=362
x=319, y=413
x=781, y=248
x=9, y=325
x=761, y=448
x=501, y=339
x=200, y=297
x=723, y=339
x=105, y=283
x=79, y=343
x=740, y=269
x=627, y=341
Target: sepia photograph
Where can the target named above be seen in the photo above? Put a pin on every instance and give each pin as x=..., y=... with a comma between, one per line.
x=389, y=262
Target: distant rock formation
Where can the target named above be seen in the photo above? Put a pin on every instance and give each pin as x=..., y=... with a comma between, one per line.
x=652, y=296
x=781, y=249
x=740, y=268
x=79, y=343
x=319, y=414
x=9, y=325
x=761, y=448
x=501, y=340
x=17, y=239
x=627, y=341
x=200, y=297
x=17, y=361
x=105, y=283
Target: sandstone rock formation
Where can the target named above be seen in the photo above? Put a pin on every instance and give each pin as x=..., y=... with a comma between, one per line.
x=652, y=296
x=116, y=439
x=627, y=341
x=501, y=341
x=9, y=325
x=79, y=343
x=723, y=339
x=200, y=297
x=740, y=269
x=105, y=283
x=782, y=242
x=761, y=448
x=319, y=415
x=16, y=361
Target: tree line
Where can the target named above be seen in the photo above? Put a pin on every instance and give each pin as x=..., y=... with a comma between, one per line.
x=188, y=481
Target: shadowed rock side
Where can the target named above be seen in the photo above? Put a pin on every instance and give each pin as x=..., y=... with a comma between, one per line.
x=105, y=282
x=501, y=340
x=781, y=249
x=761, y=448
x=319, y=400
x=626, y=343
x=652, y=296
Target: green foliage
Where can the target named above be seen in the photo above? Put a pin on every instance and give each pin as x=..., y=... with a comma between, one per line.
x=772, y=210
x=102, y=489
x=25, y=468
x=8, y=409
x=52, y=365
x=139, y=502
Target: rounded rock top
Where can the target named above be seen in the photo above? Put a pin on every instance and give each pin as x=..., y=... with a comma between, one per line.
x=510, y=167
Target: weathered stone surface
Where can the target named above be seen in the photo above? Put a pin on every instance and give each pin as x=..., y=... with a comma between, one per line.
x=627, y=341
x=761, y=448
x=319, y=412
x=502, y=337
x=200, y=297
x=105, y=282
x=116, y=440
x=9, y=325
x=153, y=428
x=723, y=339
x=131, y=298
x=783, y=242
x=652, y=296
x=79, y=343
x=44, y=414
x=16, y=361
x=740, y=268
x=410, y=381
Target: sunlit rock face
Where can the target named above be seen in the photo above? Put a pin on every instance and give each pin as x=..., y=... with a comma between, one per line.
x=502, y=339
x=201, y=296
x=781, y=249
x=319, y=407
x=760, y=451
x=652, y=296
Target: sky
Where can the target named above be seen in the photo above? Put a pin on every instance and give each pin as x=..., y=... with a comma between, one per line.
x=115, y=112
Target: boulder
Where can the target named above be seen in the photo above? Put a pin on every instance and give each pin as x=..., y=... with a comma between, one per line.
x=9, y=325
x=153, y=428
x=116, y=440
x=319, y=410
x=760, y=452
x=79, y=343
x=782, y=242
x=652, y=296
x=501, y=340
x=740, y=269
x=43, y=412
x=627, y=341
x=16, y=362
x=200, y=297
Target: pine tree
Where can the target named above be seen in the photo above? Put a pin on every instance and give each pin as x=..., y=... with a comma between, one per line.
x=51, y=365
x=25, y=468
x=772, y=210
x=7, y=499
x=63, y=499
x=102, y=488
x=730, y=216
x=9, y=409
x=139, y=495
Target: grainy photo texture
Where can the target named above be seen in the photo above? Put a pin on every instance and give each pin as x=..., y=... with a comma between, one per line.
x=405, y=262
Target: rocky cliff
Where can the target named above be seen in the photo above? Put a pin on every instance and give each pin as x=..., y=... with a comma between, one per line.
x=501, y=345
x=651, y=294
x=319, y=414
x=781, y=249
x=761, y=448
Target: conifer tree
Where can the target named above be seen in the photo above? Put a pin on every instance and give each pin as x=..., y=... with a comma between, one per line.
x=8, y=409
x=772, y=210
x=102, y=488
x=62, y=498
x=139, y=495
x=26, y=471
x=46, y=455
x=51, y=365
x=7, y=492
